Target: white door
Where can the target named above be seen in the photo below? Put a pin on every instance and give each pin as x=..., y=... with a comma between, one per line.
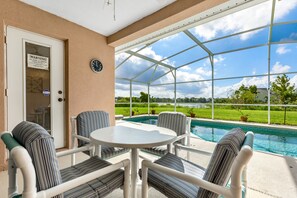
x=35, y=81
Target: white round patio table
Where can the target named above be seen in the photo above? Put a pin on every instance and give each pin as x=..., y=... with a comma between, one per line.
x=139, y=136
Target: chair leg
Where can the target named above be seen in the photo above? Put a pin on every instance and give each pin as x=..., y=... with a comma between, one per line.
x=169, y=148
x=73, y=132
x=73, y=159
x=176, y=150
x=127, y=181
x=244, y=179
x=144, y=181
x=98, y=150
x=12, y=169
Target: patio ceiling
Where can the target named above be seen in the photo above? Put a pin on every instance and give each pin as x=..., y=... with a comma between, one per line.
x=103, y=16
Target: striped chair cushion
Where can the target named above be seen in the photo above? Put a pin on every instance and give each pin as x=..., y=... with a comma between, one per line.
x=99, y=187
x=171, y=186
x=226, y=150
x=89, y=121
x=41, y=148
x=108, y=152
x=159, y=150
x=175, y=121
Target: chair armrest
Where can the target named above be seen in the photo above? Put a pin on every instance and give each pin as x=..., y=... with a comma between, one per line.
x=56, y=190
x=180, y=137
x=8, y=140
x=183, y=176
x=72, y=151
x=82, y=138
x=20, y=158
x=191, y=149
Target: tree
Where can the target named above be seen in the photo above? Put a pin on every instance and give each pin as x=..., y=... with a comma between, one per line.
x=284, y=91
x=143, y=97
x=245, y=95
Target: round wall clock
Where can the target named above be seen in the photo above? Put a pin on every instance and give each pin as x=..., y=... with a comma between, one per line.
x=96, y=65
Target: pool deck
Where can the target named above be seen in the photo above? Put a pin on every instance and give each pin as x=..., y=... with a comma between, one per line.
x=275, y=126
x=269, y=175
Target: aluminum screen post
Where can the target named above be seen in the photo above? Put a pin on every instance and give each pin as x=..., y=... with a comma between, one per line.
x=130, y=98
x=269, y=56
x=148, y=98
x=175, y=90
x=212, y=86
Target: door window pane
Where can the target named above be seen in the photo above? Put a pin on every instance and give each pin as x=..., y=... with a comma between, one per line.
x=38, y=84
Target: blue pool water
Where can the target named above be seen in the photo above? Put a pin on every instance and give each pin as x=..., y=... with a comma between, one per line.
x=269, y=139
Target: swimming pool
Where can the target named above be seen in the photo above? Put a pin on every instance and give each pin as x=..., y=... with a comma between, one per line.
x=268, y=139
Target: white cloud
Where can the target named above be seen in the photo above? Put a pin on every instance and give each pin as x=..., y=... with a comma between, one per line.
x=293, y=80
x=283, y=8
x=136, y=65
x=227, y=91
x=249, y=18
x=218, y=59
x=151, y=53
x=281, y=49
x=200, y=89
x=293, y=36
x=123, y=89
x=120, y=58
x=133, y=59
x=183, y=76
x=203, y=72
x=162, y=91
x=185, y=68
x=279, y=68
x=260, y=82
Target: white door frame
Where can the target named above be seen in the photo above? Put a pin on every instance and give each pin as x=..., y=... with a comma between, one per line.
x=16, y=76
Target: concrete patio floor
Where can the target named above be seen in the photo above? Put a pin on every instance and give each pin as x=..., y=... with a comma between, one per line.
x=269, y=175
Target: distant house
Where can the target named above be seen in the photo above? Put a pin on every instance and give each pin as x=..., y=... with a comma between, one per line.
x=262, y=94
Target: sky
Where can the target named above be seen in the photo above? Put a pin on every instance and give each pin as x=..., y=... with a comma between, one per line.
x=247, y=62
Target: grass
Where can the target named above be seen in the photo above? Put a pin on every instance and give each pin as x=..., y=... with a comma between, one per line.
x=258, y=116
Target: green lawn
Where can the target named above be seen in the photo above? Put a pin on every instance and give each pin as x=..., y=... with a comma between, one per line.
x=259, y=116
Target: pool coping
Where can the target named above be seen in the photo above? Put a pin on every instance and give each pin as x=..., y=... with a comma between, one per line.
x=232, y=122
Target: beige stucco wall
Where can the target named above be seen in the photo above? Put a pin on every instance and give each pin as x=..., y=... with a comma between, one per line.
x=85, y=89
